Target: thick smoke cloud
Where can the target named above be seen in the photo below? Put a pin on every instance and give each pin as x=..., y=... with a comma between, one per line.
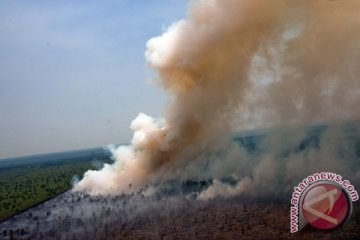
x=233, y=65
x=283, y=159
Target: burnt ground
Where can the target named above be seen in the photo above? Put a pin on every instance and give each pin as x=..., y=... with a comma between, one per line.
x=80, y=216
x=227, y=220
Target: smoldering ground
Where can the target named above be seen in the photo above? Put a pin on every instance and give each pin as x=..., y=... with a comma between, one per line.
x=171, y=212
x=80, y=216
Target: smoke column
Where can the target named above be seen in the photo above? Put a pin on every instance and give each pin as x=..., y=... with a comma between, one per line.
x=237, y=64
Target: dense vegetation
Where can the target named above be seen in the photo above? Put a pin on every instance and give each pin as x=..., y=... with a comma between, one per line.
x=27, y=185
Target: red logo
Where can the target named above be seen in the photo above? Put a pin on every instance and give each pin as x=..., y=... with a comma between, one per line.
x=325, y=206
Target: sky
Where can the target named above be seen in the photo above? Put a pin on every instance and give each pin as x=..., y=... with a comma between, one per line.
x=73, y=73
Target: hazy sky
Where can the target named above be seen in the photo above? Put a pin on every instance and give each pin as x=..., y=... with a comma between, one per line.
x=73, y=74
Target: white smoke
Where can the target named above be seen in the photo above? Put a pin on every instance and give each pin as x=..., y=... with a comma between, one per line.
x=222, y=189
x=130, y=164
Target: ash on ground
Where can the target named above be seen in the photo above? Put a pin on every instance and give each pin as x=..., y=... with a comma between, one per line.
x=136, y=216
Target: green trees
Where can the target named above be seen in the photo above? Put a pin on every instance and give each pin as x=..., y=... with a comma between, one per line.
x=24, y=186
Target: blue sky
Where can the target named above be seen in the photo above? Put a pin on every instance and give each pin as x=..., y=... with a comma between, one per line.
x=73, y=74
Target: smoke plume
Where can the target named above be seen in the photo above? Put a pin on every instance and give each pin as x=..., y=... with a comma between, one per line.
x=234, y=65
